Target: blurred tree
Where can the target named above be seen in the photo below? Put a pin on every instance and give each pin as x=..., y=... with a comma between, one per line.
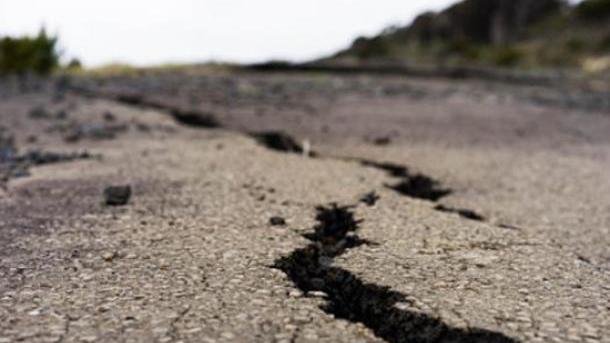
x=23, y=55
x=75, y=64
x=593, y=9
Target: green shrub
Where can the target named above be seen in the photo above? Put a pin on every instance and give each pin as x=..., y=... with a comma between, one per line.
x=74, y=64
x=28, y=54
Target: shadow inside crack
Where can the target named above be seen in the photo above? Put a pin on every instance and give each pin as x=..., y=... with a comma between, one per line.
x=277, y=141
x=393, y=169
x=462, y=212
x=412, y=185
x=196, y=119
x=420, y=187
x=349, y=298
x=192, y=118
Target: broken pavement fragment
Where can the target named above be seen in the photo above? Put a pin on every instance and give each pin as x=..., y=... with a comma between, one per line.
x=277, y=221
x=117, y=195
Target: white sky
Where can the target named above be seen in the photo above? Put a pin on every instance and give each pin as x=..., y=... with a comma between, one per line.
x=146, y=32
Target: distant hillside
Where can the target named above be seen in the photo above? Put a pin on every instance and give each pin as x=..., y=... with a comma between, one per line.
x=507, y=33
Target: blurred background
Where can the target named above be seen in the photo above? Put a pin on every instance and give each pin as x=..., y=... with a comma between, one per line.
x=153, y=32
x=527, y=34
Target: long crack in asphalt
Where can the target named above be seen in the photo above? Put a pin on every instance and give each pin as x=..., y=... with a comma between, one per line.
x=377, y=307
x=192, y=118
x=350, y=298
x=412, y=185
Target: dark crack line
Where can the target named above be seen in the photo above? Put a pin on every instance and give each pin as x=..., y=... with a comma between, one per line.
x=277, y=141
x=462, y=212
x=417, y=186
x=310, y=268
x=412, y=185
x=191, y=118
x=352, y=299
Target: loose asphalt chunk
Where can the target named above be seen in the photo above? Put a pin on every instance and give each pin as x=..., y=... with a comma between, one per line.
x=277, y=221
x=117, y=195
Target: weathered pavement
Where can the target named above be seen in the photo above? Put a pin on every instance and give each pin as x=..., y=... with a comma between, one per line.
x=193, y=256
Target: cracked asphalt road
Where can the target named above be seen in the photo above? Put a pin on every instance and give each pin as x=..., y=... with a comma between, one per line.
x=193, y=256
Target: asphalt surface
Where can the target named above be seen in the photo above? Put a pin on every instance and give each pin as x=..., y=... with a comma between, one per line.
x=428, y=211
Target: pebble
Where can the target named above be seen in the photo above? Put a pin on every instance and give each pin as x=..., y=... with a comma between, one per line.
x=295, y=293
x=163, y=264
x=277, y=221
x=108, y=256
x=87, y=277
x=117, y=195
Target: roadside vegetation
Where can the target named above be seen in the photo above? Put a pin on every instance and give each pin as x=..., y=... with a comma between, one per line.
x=525, y=34
x=123, y=69
x=23, y=55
